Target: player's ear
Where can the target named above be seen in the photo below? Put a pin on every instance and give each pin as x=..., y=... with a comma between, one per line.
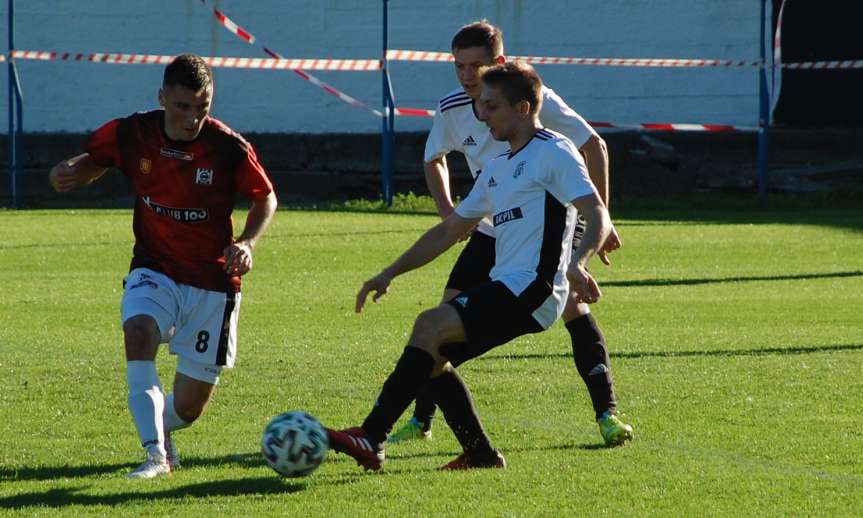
x=524, y=109
x=161, y=97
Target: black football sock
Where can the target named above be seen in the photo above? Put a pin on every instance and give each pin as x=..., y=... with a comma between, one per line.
x=425, y=407
x=455, y=401
x=412, y=372
x=591, y=360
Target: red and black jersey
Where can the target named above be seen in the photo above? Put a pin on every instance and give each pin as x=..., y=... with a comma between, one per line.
x=185, y=193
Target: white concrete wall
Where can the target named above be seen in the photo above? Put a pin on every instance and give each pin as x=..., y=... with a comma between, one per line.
x=76, y=97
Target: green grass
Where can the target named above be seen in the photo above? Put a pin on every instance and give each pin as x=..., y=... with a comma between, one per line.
x=737, y=352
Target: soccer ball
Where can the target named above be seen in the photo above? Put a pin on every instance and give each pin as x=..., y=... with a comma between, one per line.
x=294, y=444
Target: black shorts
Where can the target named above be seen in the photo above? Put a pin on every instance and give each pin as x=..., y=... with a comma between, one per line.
x=580, y=227
x=473, y=264
x=492, y=316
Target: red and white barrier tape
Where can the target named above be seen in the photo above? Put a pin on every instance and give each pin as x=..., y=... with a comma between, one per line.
x=281, y=63
x=370, y=65
x=246, y=36
x=352, y=65
x=670, y=126
x=421, y=55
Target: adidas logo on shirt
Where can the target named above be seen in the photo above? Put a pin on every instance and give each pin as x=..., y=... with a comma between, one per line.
x=491, y=182
x=469, y=141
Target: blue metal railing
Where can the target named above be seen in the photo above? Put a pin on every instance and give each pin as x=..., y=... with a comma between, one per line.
x=16, y=117
x=388, y=120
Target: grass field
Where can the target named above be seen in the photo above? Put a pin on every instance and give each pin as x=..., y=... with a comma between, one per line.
x=737, y=352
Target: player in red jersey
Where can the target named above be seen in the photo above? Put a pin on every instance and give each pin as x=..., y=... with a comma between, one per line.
x=183, y=287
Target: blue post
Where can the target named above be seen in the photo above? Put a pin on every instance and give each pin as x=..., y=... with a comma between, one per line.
x=13, y=144
x=764, y=115
x=388, y=122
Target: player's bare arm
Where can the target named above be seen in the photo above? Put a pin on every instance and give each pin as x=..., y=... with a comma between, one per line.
x=433, y=243
x=238, y=256
x=74, y=172
x=597, y=232
x=437, y=180
x=595, y=154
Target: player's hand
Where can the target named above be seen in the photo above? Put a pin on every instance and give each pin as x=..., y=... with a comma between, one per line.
x=63, y=177
x=612, y=243
x=380, y=284
x=238, y=258
x=583, y=284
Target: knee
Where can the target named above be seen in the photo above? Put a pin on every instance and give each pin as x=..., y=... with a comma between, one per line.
x=189, y=414
x=188, y=409
x=141, y=333
x=425, y=326
x=426, y=332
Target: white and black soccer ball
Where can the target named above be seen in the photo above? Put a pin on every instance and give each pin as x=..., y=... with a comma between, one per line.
x=294, y=444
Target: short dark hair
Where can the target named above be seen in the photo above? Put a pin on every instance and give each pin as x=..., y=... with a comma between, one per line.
x=517, y=81
x=190, y=71
x=479, y=34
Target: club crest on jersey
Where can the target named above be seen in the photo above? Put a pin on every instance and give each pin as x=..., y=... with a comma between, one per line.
x=469, y=141
x=177, y=154
x=491, y=182
x=519, y=169
x=461, y=301
x=508, y=215
x=146, y=165
x=204, y=176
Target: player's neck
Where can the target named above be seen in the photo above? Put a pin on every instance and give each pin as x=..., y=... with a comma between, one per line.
x=523, y=133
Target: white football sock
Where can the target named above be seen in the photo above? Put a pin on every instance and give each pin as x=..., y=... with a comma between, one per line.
x=146, y=404
x=171, y=419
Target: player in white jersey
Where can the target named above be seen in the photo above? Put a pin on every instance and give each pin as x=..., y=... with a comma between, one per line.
x=457, y=128
x=532, y=193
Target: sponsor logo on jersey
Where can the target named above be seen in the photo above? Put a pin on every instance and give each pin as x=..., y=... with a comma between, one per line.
x=176, y=153
x=178, y=214
x=519, y=169
x=204, y=176
x=508, y=215
x=461, y=301
x=491, y=182
x=146, y=165
x=469, y=141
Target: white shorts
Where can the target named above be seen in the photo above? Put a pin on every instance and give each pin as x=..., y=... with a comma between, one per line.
x=199, y=324
x=199, y=371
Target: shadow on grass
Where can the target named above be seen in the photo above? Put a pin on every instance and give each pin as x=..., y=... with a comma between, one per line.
x=765, y=351
x=271, y=236
x=55, y=498
x=245, y=460
x=753, y=278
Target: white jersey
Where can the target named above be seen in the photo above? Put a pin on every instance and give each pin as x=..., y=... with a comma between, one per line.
x=528, y=195
x=456, y=128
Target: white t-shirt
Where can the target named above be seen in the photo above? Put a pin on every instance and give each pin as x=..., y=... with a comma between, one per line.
x=528, y=195
x=456, y=128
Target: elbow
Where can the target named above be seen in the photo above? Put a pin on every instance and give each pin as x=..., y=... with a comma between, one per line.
x=596, y=144
x=271, y=203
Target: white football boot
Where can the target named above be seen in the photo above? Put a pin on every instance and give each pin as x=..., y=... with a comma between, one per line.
x=154, y=466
